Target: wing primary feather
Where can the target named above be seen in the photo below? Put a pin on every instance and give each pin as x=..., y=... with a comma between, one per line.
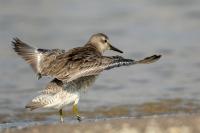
x=148, y=60
x=28, y=53
x=119, y=61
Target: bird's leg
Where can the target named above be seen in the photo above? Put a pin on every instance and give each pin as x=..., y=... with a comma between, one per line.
x=39, y=76
x=75, y=112
x=61, y=116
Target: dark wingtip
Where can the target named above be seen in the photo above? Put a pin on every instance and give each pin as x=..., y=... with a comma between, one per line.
x=154, y=58
x=150, y=59
x=15, y=40
x=15, y=43
x=157, y=56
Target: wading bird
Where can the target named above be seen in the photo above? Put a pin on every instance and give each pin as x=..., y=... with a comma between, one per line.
x=73, y=70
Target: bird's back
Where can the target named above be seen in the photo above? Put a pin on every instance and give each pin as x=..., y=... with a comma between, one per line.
x=68, y=66
x=57, y=63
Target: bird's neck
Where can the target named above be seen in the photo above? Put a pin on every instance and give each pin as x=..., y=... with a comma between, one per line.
x=94, y=46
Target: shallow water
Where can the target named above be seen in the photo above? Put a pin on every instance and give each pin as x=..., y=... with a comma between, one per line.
x=139, y=28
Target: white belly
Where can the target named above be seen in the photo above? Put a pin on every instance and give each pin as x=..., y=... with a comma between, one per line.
x=62, y=99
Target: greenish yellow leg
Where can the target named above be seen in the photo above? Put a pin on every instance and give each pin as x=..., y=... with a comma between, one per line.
x=61, y=116
x=76, y=113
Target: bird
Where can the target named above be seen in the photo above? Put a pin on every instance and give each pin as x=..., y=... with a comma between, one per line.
x=72, y=71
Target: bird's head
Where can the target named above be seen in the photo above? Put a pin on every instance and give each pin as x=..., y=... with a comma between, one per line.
x=102, y=43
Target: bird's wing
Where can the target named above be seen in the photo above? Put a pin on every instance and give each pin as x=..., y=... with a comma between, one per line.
x=35, y=56
x=56, y=63
x=118, y=61
x=98, y=64
x=72, y=62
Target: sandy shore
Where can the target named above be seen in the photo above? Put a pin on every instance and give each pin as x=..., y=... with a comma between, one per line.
x=151, y=124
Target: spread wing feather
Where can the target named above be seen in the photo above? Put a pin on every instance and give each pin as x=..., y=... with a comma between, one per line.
x=39, y=59
x=74, y=64
x=106, y=63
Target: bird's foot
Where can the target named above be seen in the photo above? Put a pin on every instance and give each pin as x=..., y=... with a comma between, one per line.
x=61, y=116
x=79, y=118
x=76, y=112
x=61, y=120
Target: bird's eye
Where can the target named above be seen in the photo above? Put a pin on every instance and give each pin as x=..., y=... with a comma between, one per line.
x=105, y=41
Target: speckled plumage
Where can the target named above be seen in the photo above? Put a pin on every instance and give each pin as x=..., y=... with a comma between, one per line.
x=73, y=70
x=57, y=95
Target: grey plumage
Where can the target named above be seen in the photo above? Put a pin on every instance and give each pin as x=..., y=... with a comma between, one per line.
x=27, y=52
x=56, y=89
x=73, y=71
x=70, y=65
x=39, y=59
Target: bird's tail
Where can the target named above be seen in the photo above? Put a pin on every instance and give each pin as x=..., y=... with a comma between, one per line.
x=44, y=100
x=40, y=101
x=34, y=105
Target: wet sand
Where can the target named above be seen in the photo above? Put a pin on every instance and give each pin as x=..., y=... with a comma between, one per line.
x=181, y=123
x=140, y=28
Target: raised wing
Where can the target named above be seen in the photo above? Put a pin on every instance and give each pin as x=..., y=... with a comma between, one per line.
x=57, y=63
x=35, y=56
x=103, y=63
x=120, y=61
x=74, y=64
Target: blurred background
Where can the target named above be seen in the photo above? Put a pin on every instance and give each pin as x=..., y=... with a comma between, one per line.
x=138, y=27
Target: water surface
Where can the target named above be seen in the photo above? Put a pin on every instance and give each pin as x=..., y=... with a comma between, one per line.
x=139, y=28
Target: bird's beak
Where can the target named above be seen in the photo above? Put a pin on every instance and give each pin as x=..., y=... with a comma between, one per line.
x=114, y=49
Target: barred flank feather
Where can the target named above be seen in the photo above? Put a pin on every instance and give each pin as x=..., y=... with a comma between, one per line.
x=41, y=101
